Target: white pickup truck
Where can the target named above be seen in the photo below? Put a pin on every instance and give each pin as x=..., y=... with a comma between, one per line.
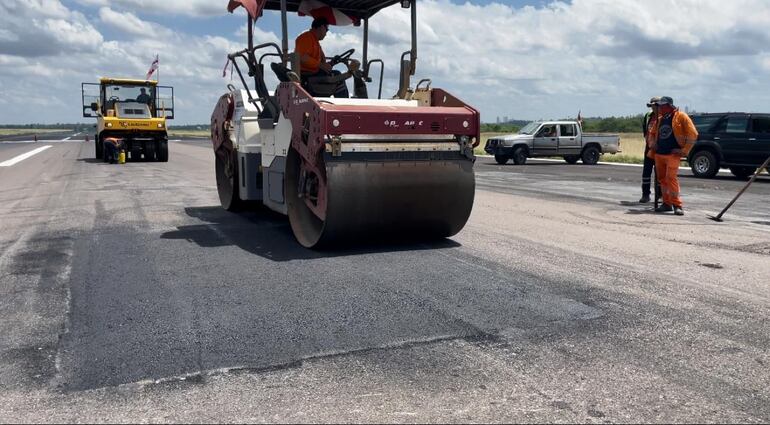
x=552, y=138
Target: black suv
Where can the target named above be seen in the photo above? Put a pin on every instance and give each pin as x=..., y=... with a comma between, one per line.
x=737, y=140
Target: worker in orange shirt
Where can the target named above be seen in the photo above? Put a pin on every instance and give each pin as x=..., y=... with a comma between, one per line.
x=312, y=59
x=675, y=136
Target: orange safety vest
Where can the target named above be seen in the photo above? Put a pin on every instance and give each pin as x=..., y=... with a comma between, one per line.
x=684, y=131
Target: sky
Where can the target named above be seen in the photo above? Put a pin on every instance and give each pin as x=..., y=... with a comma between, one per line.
x=518, y=59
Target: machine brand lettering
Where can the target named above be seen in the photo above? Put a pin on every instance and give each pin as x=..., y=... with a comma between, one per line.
x=132, y=124
x=300, y=101
x=389, y=123
x=413, y=123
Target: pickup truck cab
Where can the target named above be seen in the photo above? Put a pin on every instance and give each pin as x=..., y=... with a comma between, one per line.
x=736, y=140
x=552, y=138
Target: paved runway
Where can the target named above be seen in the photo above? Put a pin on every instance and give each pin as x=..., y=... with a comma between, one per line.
x=128, y=294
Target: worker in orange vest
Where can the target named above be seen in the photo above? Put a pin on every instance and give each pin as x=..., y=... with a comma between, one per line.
x=674, y=137
x=649, y=125
x=313, y=62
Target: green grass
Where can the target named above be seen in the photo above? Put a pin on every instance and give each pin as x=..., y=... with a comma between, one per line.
x=189, y=133
x=631, y=144
x=18, y=131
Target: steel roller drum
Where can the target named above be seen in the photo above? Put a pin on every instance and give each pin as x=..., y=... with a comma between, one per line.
x=388, y=199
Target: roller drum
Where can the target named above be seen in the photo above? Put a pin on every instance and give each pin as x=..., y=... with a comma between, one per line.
x=392, y=199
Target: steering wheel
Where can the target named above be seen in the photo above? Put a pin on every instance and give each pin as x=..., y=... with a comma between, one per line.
x=342, y=57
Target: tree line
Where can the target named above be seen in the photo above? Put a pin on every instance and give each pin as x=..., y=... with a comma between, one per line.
x=628, y=124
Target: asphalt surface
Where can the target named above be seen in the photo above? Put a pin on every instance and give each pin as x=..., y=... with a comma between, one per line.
x=128, y=295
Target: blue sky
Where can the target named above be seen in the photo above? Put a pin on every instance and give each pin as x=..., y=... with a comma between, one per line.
x=521, y=59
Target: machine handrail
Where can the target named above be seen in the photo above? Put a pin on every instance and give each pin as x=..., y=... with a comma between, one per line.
x=256, y=71
x=382, y=73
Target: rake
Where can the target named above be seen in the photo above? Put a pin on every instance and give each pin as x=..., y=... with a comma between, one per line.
x=754, y=177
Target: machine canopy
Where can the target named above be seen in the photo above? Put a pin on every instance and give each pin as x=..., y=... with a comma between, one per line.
x=360, y=9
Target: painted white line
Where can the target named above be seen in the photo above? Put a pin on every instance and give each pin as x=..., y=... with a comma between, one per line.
x=8, y=142
x=616, y=164
x=23, y=156
x=66, y=138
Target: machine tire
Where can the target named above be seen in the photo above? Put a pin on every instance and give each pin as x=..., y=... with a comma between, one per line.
x=590, y=155
x=502, y=159
x=743, y=173
x=519, y=155
x=136, y=153
x=98, y=147
x=150, y=149
x=571, y=159
x=227, y=187
x=162, y=154
x=704, y=164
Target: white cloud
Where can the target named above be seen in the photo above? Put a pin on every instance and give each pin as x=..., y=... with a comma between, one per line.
x=166, y=7
x=126, y=22
x=44, y=28
x=604, y=57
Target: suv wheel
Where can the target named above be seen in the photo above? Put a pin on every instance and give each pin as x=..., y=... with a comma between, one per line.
x=743, y=172
x=704, y=165
x=520, y=155
x=501, y=159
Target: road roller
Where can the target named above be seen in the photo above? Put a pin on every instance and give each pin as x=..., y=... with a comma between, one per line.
x=343, y=169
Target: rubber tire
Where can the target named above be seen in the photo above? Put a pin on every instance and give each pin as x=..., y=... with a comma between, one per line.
x=98, y=144
x=150, y=149
x=590, y=155
x=502, y=159
x=571, y=159
x=743, y=173
x=227, y=188
x=162, y=154
x=519, y=155
x=704, y=164
x=136, y=153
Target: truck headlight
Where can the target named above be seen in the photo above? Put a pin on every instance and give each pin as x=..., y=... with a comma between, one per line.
x=160, y=125
x=109, y=124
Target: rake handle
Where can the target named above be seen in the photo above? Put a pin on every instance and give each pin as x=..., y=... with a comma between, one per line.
x=759, y=170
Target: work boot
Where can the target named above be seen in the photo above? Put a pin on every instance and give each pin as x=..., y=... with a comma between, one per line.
x=644, y=199
x=678, y=211
x=664, y=208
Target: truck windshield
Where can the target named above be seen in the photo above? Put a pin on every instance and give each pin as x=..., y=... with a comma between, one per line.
x=529, y=128
x=128, y=93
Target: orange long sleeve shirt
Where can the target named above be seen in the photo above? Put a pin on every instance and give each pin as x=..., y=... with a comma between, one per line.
x=307, y=44
x=684, y=130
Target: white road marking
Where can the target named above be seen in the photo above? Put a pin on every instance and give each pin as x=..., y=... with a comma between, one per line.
x=23, y=156
x=66, y=138
x=9, y=142
x=617, y=164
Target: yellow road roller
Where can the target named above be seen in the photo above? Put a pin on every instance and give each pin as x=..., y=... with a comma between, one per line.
x=132, y=111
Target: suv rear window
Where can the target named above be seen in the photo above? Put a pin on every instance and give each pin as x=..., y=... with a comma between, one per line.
x=733, y=124
x=760, y=124
x=704, y=122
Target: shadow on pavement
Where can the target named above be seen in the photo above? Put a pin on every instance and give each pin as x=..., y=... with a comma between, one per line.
x=528, y=164
x=761, y=179
x=94, y=161
x=268, y=234
x=640, y=208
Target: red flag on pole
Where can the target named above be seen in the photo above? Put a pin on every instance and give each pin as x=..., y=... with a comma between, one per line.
x=318, y=9
x=254, y=7
x=153, y=68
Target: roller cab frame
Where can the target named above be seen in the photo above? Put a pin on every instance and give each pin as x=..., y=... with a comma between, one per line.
x=122, y=112
x=344, y=169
